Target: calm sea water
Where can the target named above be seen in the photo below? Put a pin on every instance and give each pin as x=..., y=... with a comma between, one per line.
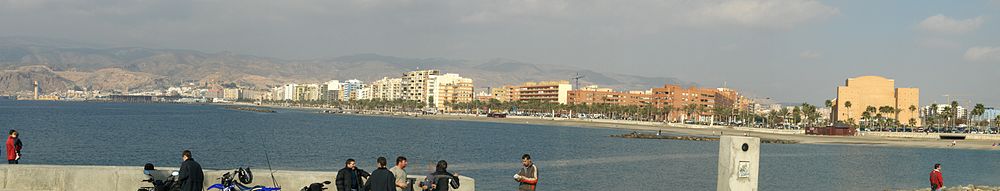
x=569, y=158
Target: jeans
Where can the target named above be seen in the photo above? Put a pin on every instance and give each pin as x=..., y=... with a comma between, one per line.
x=11, y=161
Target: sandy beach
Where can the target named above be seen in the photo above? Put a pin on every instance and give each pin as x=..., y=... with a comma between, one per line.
x=703, y=131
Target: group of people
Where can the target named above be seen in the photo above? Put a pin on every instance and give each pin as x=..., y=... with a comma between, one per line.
x=352, y=178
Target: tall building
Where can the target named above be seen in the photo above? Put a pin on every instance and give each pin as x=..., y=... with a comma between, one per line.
x=448, y=88
x=334, y=91
x=677, y=97
x=311, y=92
x=278, y=93
x=231, y=94
x=729, y=98
x=352, y=90
x=596, y=95
x=288, y=92
x=875, y=91
x=254, y=94
x=386, y=89
x=502, y=94
x=414, y=84
x=549, y=91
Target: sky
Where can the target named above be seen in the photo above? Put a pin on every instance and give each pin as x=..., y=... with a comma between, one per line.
x=787, y=50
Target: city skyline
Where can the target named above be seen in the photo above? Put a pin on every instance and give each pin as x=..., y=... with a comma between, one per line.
x=794, y=51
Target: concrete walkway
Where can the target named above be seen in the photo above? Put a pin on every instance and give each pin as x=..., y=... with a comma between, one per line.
x=129, y=178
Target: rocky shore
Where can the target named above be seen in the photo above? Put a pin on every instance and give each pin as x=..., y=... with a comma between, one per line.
x=635, y=135
x=961, y=188
x=253, y=109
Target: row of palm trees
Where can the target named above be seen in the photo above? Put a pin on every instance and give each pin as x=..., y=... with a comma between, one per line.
x=367, y=104
x=949, y=117
x=801, y=115
x=646, y=112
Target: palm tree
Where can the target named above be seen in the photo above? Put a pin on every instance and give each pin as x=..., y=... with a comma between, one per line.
x=913, y=123
x=691, y=108
x=847, y=104
x=954, y=113
x=978, y=111
x=932, y=114
x=871, y=111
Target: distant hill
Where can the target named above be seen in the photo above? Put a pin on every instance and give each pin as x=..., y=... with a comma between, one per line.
x=62, y=65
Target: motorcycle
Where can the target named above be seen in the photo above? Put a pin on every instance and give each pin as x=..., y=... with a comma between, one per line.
x=237, y=180
x=170, y=184
x=316, y=186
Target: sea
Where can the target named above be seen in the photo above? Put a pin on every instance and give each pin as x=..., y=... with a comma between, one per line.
x=568, y=158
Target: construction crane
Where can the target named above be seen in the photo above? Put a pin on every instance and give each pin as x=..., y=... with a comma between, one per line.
x=576, y=78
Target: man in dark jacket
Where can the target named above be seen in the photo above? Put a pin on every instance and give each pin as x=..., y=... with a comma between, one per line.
x=191, y=176
x=349, y=178
x=382, y=179
x=442, y=178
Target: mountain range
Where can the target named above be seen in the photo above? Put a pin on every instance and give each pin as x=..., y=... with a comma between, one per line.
x=61, y=65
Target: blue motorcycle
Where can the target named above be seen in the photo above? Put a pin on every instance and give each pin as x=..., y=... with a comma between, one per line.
x=237, y=180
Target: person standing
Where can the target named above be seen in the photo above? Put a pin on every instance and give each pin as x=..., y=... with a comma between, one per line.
x=191, y=177
x=527, y=177
x=937, y=180
x=442, y=178
x=399, y=171
x=349, y=177
x=382, y=179
x=13, y=147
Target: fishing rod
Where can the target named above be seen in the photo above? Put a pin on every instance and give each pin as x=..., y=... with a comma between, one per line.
x=268, y=159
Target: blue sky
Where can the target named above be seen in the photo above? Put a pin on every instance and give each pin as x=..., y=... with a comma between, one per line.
x=790, y=50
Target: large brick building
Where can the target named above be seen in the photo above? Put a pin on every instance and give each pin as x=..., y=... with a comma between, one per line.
x=875, y=91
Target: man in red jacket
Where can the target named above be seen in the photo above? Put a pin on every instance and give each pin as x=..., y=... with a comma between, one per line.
x=937, y=180
x=13, y=148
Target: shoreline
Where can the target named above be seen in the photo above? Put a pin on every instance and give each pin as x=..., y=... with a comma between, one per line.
x=878, y=141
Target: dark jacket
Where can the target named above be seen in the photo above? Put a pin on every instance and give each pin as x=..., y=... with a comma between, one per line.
x=191, y=177
x=344, y=182
x=441, y=179
x=381, y=180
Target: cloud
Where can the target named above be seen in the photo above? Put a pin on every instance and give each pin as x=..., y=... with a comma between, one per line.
x=499, y=11
x=810, y=54
x=947, y=25
x=983, y=54
x=760, y=13
x=939, y=43
x=653, y=15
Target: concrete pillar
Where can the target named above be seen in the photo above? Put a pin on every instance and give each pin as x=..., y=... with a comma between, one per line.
x=739, y=159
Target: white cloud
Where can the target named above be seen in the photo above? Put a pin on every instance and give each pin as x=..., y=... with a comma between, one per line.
x=810, y=54
x=944, y=24
x=760, y=13
x=983, y=54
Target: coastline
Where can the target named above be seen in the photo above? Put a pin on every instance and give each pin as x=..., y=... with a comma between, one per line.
x=881, y=141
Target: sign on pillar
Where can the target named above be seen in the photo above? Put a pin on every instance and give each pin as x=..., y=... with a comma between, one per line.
x=739, y=159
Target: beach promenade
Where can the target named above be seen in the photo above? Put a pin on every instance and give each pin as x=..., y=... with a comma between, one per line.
x=129, y=178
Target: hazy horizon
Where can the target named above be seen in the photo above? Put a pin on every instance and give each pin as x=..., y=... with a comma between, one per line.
x=790, y=51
